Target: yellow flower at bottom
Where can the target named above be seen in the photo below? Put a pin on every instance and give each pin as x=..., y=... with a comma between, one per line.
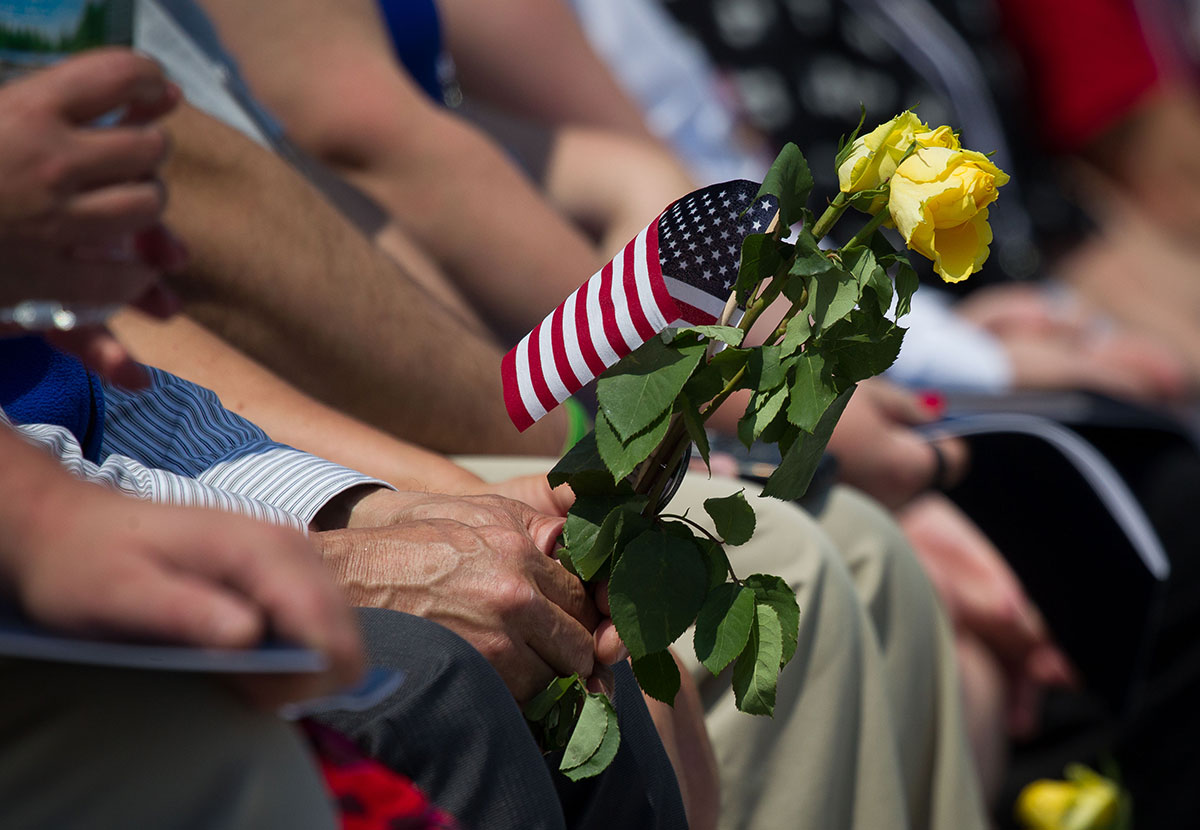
x=938, y=201
x=1088, y=801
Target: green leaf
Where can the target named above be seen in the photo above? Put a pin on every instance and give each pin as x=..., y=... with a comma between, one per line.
x=584, y=520
x=790, y=181
x=561, y=723
x=860, y=262
x=584, y=469
x=606, y=752
x=635, y=392
x=711, y=379
x=870, y=274
x=791, y=479
x=733, y=517
x=775, y=592
x=655, y=591
x=857, y=353
x=817, y=262
x=805, y=243
x=756, y=671
x=588, y=734
x=760, y=413
x=658, y=675
x=695, y=426
x=865, y=200
x=760, y=260
x=831, y=296
x=906, y=284
x=723, y=626
x=797, y=334
x=764, y=371
x=541, y=705
x=811, y=392
x=715, y=561
x=730, y=335
x=623, y=457
x=885, y=254
x=594, y=544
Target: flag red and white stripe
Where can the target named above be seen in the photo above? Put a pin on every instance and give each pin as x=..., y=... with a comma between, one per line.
x=631, y=299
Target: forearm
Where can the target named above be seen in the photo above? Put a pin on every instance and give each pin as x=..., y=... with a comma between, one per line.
x=506, y=250
x=561, y=82
x=612, y=184
x=301, y=291
x=289, y=416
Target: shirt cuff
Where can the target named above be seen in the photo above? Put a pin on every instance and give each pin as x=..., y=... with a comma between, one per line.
x=295, y=482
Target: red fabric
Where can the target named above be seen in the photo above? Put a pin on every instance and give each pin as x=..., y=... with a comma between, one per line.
x=368, y=795
x=1088, y=63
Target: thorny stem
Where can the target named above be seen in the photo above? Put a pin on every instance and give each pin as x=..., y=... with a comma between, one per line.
x=653, y=477
x=864, y=234
x=829, y=218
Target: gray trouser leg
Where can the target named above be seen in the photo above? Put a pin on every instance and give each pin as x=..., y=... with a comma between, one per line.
x=85, y=748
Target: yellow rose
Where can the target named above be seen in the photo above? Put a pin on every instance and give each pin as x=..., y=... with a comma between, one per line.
x=1043, y=804
x=1088, y=801
x=938, y=200
x=873, y=157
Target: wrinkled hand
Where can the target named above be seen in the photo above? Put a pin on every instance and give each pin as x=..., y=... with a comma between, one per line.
x=879, y=452
x=80, y=205
x=483, y=567
x=983, y=596
x=535, y=491
x=99, y=563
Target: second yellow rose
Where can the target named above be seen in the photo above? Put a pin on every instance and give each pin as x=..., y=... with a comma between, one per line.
x=938, y=201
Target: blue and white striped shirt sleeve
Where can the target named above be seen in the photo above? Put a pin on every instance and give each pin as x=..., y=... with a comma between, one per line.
x=135, y=479
x=179, y=427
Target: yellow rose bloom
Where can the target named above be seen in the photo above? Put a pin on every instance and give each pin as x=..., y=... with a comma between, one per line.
x=1043, y=804
x=874, y=156
x=1088, y=801
x=938, y=200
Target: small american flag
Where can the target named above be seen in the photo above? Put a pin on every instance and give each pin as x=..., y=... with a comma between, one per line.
x=680, y=270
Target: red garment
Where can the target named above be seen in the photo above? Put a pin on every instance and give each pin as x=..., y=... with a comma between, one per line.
x=1088, y=63
x=369, y=796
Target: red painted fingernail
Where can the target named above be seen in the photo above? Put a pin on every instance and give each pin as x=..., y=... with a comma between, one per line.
x=933, y=401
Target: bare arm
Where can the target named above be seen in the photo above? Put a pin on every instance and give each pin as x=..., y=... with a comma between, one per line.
x=560, y=82
x=189, y=350
x=510, y=254
x=279, y=273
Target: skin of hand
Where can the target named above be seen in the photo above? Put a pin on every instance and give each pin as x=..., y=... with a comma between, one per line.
x=1061, y=345
x=182, y=575
x=532, y=489
x=80, y=205
x=985, y=599
x=879, y=452
x=482, y=566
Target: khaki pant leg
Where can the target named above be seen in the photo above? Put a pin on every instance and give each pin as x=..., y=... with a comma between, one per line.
x=918, y=655
x=89, y=749
x=827, y=760
x=867, y=730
